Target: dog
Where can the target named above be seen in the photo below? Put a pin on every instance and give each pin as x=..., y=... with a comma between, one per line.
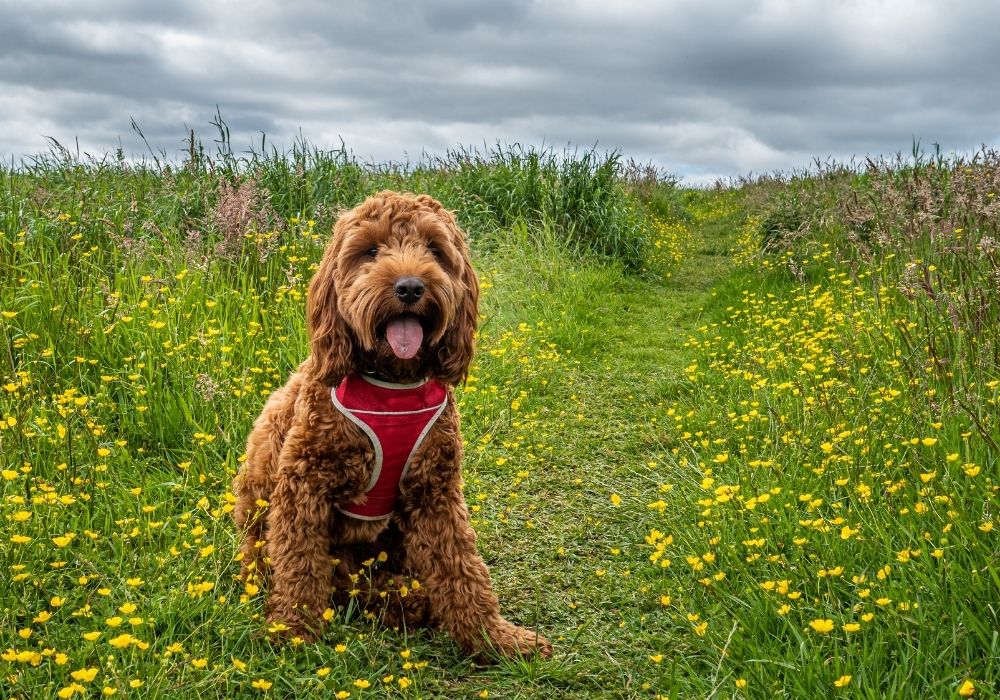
x=351, y=487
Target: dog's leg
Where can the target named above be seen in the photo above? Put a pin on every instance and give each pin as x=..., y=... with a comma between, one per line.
x=299, y=546
x=441, y=552
x=254, y=483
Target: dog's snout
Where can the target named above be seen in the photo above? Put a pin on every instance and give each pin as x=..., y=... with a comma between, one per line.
x=409, y=289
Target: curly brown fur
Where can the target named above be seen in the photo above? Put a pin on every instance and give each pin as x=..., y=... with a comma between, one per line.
x=304, y=457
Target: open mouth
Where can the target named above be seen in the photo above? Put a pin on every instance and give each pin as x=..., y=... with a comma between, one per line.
x=405, y=335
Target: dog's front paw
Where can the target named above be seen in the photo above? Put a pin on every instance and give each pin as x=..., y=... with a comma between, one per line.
x=292, y=627
x=511, y=640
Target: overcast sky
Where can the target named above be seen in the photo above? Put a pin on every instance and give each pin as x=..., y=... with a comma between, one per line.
x=702, y=89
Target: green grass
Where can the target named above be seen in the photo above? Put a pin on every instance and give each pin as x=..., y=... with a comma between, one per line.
x=688, y=399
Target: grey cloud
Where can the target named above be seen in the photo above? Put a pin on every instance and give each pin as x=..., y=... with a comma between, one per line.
x=706, y=89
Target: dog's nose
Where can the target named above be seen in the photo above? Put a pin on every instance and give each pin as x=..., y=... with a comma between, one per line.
x=409, y=289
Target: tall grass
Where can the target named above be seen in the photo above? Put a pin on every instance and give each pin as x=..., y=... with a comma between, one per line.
x=597, y=205
x=929, y=228
x=582, y=197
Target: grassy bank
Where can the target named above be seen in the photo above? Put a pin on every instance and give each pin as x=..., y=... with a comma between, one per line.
x=724, y=443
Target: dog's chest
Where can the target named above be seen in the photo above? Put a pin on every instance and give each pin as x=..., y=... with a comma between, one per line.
x=396, y=418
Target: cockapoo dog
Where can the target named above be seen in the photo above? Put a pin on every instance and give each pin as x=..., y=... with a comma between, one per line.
x=352, y=482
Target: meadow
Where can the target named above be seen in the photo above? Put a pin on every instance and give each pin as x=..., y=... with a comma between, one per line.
x=734, y=442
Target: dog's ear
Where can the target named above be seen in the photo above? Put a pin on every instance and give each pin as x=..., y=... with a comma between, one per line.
x=329, y=336
x=455, y=350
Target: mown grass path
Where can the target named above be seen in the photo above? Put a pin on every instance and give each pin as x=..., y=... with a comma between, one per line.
x=581, y=568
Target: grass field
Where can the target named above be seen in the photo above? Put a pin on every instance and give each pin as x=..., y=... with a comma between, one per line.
x=738, y=442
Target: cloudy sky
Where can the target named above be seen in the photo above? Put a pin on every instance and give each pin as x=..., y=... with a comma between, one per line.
x=701, y=88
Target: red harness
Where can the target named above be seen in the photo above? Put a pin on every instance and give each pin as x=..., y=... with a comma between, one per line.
x=396, y=418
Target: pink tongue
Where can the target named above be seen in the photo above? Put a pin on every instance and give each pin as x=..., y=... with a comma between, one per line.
x=405, y=335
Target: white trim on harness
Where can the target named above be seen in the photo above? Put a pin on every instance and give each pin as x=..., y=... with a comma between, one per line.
x=393, y=385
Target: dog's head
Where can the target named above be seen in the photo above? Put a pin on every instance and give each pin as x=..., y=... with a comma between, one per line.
x=395, y=293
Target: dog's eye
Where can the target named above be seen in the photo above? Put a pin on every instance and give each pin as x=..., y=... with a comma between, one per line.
x=436, y=252
x=372, y=252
